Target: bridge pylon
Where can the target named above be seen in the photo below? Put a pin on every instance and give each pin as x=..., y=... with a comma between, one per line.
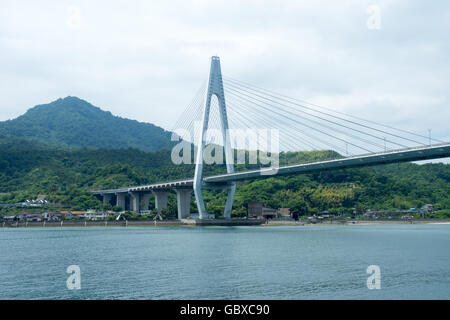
x=215, y=87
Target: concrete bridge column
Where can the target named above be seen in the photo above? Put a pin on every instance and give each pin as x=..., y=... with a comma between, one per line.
x=107, y=198
x=161, y=198
x=135, y=201
x=183, y=202
x=120, y=202
x=145, y=199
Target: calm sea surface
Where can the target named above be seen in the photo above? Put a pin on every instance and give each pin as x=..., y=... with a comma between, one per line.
x=288, y=262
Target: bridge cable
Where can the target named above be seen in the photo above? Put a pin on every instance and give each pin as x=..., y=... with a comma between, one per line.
x=330, y=115
x=270, y=121
x=295, y=128
x=338, y=124
x=269, y=92
x=244, y=124
x=342, y=132
x=318, y=130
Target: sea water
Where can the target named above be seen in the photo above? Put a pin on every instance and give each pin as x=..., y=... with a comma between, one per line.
x=258, y=262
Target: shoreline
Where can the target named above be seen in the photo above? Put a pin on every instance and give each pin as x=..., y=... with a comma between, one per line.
x=218, y=222
x=133, y=223
x=357, y=222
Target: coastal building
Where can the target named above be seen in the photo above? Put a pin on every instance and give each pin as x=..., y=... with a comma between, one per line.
x=388, y=214
x=77, y=214
x=52, y=216
x=259, y=210
x=94, y=215
x=31, y=216
x=284, y=213
x=89, y=215
x=427, y=208
x=31, y=203
x=73, y=214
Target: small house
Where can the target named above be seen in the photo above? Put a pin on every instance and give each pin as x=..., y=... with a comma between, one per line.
x=427, y=208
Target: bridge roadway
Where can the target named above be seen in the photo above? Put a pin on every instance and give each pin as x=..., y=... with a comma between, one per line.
x=136, y=198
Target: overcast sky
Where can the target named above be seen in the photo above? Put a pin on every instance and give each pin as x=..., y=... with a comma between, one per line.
x=145, y=60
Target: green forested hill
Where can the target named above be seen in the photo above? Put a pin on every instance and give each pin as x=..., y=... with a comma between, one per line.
x=75, y=122
x=67, y=175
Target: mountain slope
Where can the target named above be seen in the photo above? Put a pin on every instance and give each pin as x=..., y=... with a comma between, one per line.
x=75, y=122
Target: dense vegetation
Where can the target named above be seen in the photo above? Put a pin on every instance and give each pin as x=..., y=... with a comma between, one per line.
x=66, y=176
x=75, y=122
x=53, y=150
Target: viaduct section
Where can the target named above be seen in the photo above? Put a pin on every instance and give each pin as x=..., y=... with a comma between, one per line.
x=136, y=199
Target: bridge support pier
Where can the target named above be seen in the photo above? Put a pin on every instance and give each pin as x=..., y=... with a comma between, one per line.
x=183, y=202
x=134, y=201
x=107, y=197
x=120, y=201
x=145, y=199
x=161, y=199
x=229, y=203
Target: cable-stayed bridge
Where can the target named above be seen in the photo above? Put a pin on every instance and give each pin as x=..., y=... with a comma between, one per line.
x=228, y=116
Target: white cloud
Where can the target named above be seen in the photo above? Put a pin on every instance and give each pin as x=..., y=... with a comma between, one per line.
x=146, y=59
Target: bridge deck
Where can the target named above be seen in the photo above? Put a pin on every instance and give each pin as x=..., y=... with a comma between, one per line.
x=403, y=155
x=186, y=183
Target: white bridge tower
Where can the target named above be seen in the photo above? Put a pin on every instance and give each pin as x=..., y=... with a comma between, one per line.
x=215, y=87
